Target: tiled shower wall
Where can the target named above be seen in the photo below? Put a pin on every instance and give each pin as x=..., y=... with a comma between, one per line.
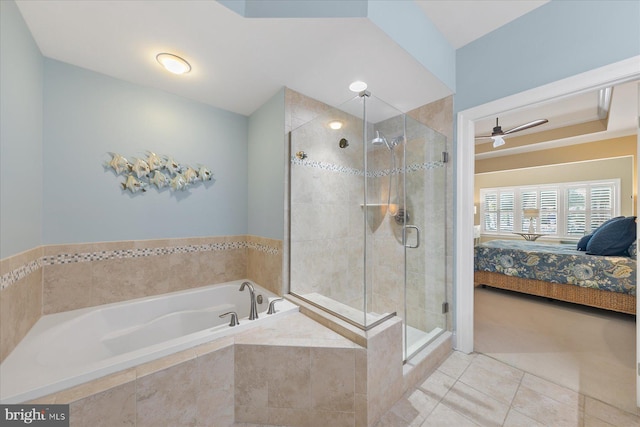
x=326, y=198
x=327, y=228
x=57, y=278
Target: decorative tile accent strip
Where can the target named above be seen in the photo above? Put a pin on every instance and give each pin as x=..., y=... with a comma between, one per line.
x=19, y=273
x=23, y=271
x=371, y=174
x=326, y=166
x=263, y=248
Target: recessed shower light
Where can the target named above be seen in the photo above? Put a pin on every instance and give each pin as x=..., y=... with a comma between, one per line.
x=357, y=86
x=173, y=63
x=335, y=125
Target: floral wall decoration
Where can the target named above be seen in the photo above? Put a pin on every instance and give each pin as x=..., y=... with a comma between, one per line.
x=156, y=171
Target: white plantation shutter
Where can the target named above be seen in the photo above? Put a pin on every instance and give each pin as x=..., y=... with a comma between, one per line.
x=565, y=210
x=601, y=205
x=507, y=214
x=490, y=211
x=576, y=211
x=549, y=211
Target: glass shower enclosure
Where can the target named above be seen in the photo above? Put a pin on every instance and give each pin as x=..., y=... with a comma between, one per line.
x=368, y=218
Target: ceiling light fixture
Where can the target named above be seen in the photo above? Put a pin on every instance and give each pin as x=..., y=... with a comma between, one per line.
x=335, y=125
x=497, y=141
x=357, y=86
x=173, y=63
x=498, y=134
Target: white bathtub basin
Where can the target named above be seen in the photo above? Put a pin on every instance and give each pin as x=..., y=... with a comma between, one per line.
x=66, y=349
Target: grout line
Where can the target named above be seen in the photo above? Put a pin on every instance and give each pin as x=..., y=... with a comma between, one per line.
x=517, y=388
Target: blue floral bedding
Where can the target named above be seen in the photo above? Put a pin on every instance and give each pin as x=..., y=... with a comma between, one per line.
x=557, y=264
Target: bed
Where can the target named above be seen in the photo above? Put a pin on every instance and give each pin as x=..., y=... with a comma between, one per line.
x=559, y=272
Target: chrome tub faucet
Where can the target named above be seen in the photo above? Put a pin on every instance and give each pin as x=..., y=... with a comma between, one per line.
x=253, y=314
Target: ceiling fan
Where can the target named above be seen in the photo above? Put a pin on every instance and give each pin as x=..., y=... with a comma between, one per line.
x=498, y=134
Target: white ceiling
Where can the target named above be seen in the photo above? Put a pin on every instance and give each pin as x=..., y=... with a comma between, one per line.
x=239, y=63
x=463, y=21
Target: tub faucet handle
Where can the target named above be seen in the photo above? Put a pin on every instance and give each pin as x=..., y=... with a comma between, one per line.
x=234, y=318
x=272, y=305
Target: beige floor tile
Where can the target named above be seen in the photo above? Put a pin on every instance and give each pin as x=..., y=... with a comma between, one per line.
x=554, y=391
x=415, y=405
x=502, y=388
x=516, y=419
x=497, y=367
x=545, y=410
x=437, y=385
x=590, y=421
x=604, y=412
x=443, y=416
x=456, y=364
x=392, y=419
x=586, y=350
x=479, y=407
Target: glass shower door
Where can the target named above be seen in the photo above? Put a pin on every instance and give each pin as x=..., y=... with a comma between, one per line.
x=425, y=236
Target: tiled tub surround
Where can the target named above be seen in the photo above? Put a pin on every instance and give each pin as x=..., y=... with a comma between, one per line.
x=381, y=377
x=292, y=371
x=73, y=347
x=56, y=278
x=20, y=301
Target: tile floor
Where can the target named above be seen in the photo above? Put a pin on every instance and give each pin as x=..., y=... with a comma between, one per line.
x=588, y=350
x=476, y=390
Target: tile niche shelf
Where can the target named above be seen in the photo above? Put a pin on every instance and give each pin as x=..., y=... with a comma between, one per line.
x=376, y=212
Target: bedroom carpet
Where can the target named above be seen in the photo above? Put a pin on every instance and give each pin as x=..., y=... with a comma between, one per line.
x=590, y=351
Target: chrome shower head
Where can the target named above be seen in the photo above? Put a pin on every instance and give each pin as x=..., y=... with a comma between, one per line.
x=379, y=140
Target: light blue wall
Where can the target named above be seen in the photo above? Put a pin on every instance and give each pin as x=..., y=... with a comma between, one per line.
x=21, y=75
x=555, y=41
x=266, y=169
x=87, y=115
x=408, y=26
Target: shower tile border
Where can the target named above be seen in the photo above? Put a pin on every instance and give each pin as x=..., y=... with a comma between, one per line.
x=332, y=167
x=24, y=270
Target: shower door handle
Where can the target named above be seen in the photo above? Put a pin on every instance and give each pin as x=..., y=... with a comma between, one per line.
x=404, y=236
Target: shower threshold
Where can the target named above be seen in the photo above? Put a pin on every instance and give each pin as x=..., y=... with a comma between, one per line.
x=350, y=314
x=417, y=339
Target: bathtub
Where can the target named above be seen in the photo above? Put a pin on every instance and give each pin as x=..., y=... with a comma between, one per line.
x=66, y=349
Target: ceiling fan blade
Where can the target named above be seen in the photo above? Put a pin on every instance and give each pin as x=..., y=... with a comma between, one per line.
x=483, y=137
x=527, y=126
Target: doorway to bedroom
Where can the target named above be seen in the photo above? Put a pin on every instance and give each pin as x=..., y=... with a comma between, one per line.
x=502, y=313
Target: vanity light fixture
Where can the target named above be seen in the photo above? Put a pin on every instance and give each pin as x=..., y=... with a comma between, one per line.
x=173, y=63
x=335, y=125
x=357, y=86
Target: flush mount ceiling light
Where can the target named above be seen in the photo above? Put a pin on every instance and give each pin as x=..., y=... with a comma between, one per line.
x=335, y=125
x=357, y=86
x=173, y=63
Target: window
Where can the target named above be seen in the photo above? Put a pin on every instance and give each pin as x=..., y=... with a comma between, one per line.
x=563, y=210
